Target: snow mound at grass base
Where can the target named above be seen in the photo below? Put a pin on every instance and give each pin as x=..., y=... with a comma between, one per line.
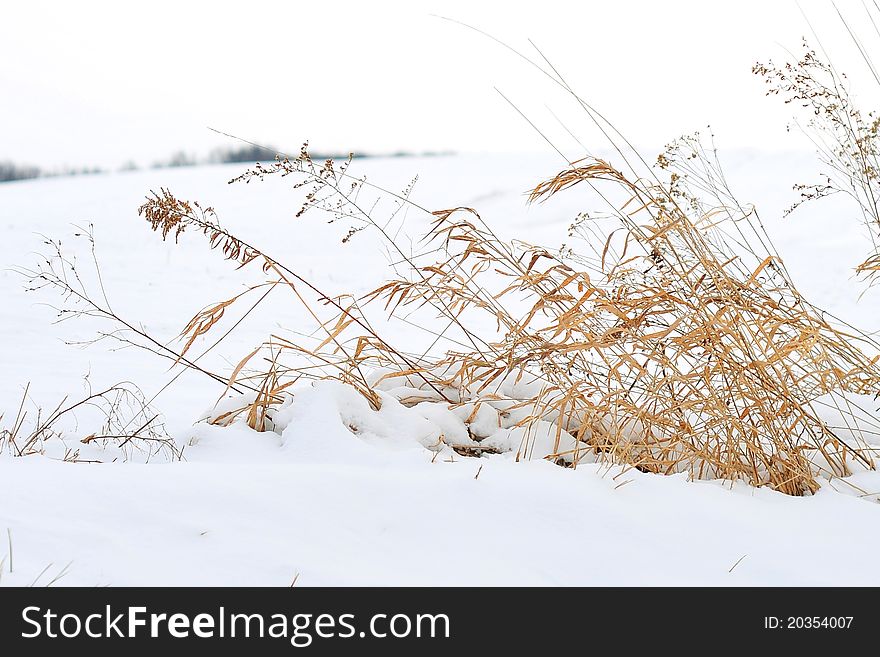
x=332, y=420
x=330, y=417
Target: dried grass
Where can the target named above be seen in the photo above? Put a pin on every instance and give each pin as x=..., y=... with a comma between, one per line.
x=129, y=425
x=677, y=344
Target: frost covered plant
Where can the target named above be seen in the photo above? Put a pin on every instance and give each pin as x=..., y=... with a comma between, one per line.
x=846, y=138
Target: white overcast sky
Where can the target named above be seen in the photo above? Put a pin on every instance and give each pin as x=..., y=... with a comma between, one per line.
x=101, y=83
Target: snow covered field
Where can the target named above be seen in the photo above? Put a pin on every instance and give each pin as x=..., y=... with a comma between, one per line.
x=329, y=508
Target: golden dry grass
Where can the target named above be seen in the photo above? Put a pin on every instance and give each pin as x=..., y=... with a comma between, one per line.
x=679, y=344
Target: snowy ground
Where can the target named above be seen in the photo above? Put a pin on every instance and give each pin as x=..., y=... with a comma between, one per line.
x=329, y=507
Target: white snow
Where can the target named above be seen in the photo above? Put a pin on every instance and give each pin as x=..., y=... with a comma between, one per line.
x=337, y=492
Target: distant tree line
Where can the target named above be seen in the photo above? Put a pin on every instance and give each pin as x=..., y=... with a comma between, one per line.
x=10, y=171
x=254, y=153
x=246, y=153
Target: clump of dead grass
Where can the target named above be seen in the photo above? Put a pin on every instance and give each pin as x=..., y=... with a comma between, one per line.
x=673, y=341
